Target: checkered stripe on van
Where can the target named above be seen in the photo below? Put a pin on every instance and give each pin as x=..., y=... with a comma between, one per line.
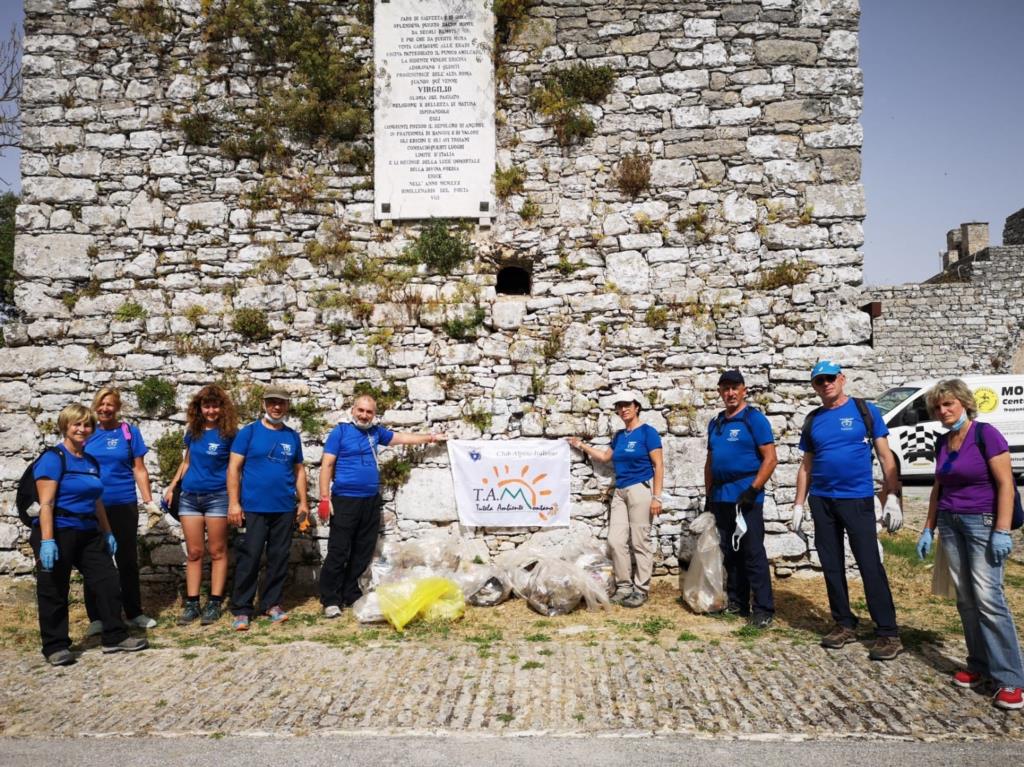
x=919, y=444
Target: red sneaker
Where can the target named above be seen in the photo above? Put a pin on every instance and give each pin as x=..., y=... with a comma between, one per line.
x=967, y=679
x=1009, y=697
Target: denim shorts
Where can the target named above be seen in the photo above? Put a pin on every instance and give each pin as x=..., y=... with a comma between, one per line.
x=204, y=504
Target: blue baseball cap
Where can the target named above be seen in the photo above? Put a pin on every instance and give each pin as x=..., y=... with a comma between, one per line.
x=825, y=368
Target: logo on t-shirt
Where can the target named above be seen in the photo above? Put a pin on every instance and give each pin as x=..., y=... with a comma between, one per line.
x=286, y=448
x=846, y=424
x=630, y=446
x=112, y=443
x=212, y=448
x=734, y=435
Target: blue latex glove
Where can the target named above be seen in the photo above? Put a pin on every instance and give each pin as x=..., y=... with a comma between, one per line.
x=111, y=543
x=1000, y=544
x=48, y=554
x=924, y=543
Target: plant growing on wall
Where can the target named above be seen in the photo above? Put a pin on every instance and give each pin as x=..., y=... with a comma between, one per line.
x=310, y=415
x=129, y=311
x=561, y=97
x=156, y=396
x=251, y=324
x=386, y=396
x=786, y=274
x=168, y=449
x=634, y=174
x=439, y=247
x=508, y=181
x=460, y=328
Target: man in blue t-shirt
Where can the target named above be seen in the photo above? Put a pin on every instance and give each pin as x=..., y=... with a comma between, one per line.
x=741, y=459
x=350, y=497
x=836, y=470
x=266, y=494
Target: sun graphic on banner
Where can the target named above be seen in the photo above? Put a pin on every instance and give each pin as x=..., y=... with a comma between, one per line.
x=520, y=487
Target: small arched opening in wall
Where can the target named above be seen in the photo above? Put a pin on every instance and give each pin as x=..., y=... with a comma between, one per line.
x=514, y=280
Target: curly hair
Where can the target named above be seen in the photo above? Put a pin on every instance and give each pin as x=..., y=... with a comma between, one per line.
x=227, y=424
x=955, y=388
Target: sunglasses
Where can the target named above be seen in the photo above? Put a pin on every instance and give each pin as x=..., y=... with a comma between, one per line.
x=824, y=379
x=947, y=465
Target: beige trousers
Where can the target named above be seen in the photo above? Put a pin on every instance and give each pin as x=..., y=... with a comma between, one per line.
x=629, y=533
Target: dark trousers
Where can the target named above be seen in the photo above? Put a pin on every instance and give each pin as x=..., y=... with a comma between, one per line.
x=84, y=550
x=746, y=571
x=856, y=517
x=124, y=524
x=355, y=524
x=274, y=533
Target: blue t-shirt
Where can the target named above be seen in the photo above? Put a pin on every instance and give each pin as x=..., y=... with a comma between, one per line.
x=268, y=474
x=841, y=467
x=355, y=473
x=735, y=458
x=207, y=463
x=631, y=455
x=80, y=486
x=116, y=456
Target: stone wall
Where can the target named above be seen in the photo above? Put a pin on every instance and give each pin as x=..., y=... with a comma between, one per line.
x=1013, y=230
x=137, y=248
x=973, y=323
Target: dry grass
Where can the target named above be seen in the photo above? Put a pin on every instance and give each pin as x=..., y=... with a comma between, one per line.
x=802, y=614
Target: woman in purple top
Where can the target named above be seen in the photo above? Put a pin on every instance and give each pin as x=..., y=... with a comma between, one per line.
x=972, y=504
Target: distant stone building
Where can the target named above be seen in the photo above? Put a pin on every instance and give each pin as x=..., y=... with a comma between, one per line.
x=191, y=212
x=968, y=318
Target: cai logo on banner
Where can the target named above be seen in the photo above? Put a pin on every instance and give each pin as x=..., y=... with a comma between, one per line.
x=511, y=483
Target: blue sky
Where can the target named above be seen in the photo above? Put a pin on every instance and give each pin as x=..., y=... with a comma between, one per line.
x=943, y=125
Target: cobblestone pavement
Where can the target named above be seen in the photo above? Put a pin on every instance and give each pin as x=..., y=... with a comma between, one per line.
x=771, y=686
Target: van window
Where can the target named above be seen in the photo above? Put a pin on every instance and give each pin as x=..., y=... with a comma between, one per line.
x=920, y=407
x=894, y=397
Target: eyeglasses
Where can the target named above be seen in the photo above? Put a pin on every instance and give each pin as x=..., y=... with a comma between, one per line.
x=621, y=405
x=824, y=379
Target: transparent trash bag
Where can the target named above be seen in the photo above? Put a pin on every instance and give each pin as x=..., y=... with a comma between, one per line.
x=483, y=585
x=430, y=598
x=703, y=585
x=517, y=566
x=942, y=579
x=367, y=609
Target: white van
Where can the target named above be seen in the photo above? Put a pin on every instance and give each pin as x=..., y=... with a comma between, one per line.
x=912, y=430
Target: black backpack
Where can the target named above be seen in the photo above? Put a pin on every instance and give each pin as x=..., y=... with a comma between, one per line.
x=718, y=423
x=27, y=494
x=1017, y=519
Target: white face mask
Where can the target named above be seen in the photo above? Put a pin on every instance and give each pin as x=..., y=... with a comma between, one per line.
x=275, y=421
x=740, y=531
x=362, y=426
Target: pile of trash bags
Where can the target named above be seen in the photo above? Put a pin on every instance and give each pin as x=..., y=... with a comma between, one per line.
x=702, y=584
x=435, y=577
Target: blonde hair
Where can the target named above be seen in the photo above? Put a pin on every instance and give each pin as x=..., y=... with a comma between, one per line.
x=952, y=387
x=107, y=391
x=74, y=413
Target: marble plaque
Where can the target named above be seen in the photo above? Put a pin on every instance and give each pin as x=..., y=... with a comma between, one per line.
x=433, y=109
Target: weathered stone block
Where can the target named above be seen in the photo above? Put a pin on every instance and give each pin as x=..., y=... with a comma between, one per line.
x=428, y=496
x=53, y=256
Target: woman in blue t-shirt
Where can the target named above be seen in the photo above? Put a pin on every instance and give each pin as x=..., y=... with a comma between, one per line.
x=203, y=508
x=119, y=448
x=639, y=473
x=72, y=530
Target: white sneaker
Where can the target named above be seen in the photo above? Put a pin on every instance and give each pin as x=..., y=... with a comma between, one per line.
x=95, y=629
x=332, y=611
x=142, y=621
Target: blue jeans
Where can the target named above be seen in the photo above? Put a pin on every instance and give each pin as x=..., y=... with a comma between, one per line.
x=204, y=504
x=992, y=646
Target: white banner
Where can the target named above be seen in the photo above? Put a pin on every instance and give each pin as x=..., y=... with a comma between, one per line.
x=511, y=483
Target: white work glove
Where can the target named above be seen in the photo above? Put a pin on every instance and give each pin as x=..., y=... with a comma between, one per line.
x=798, y=517
x=892, y=514
x=153, y=513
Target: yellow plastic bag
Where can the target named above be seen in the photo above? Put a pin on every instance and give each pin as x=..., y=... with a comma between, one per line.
x=430, y=598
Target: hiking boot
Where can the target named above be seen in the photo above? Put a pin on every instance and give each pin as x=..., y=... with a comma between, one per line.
x=211, y=613
x=189, y=613
x=332, y=611
x=621, y=593
x=761, y=620
x=1010, y=698
x=967, y=679
x=95, y=629
x=240, y=623
x=636, y=599
x=277, y=615
x=837, y=637
x=60, y=658
x=734, y=608
x=131, y=644
x=886, y=648
x=142, y=621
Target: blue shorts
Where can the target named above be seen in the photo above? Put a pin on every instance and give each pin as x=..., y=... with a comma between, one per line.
x=203, y=504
